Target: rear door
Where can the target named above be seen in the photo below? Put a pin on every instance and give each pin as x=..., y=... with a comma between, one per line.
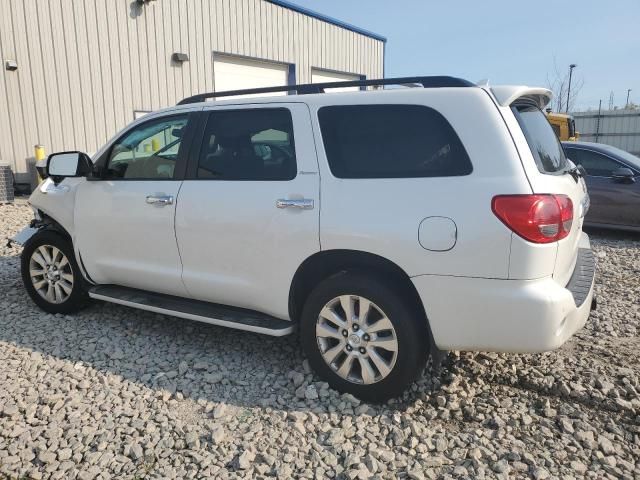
x=546, y=166
x=248, y=211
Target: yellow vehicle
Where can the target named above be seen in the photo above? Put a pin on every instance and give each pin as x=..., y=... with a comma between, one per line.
x=564, y=125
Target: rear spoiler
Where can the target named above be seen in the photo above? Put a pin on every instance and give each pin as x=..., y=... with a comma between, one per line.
x=508, y=94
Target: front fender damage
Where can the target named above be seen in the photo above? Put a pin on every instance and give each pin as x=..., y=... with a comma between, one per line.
x=23, y=236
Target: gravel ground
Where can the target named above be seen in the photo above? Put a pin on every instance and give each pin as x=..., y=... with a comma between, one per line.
x=119, y=393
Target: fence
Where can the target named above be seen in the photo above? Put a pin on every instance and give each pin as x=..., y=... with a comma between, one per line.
x=618, y=128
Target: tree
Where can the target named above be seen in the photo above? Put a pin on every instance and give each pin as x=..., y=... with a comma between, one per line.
x=558, y=83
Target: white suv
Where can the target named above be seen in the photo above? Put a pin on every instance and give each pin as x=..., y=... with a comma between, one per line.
x=384, y=225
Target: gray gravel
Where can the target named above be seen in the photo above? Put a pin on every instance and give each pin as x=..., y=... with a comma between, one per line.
x=118, y=393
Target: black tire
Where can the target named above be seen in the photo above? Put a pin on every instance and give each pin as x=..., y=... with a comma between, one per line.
x=78, y=297
x=410, y=327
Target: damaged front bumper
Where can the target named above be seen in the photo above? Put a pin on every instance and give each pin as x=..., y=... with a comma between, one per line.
x=23, y=236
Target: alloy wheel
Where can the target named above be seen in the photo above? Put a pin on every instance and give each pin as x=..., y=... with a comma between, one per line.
x=51, y=274
x=357, y=339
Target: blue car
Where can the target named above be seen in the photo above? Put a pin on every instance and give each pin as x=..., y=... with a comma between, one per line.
x=613, y=181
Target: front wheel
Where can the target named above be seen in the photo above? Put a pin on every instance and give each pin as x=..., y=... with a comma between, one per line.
x=363, y=337
x=51, y=275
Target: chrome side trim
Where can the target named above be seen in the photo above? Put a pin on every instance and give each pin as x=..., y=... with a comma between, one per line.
x=197, y=318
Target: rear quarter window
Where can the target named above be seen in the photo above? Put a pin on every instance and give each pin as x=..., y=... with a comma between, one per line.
x=543, y=141
x=391, y=141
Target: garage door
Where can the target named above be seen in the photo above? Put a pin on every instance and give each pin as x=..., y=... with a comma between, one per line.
x=322, y=76
x=232, y=73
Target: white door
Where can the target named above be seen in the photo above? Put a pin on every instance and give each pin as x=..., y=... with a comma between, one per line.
x=124, y=222
x=248, y=212
x=324, y=76
x=234, y=73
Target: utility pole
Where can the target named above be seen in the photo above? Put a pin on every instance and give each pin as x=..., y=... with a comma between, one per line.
x=598, y=124
x=571, y=67
x=628, y=92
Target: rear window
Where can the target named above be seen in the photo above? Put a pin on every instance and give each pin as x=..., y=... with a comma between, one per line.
x=391, y=141
x=542, y=140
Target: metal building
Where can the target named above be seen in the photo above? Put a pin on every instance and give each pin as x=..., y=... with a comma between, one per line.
x=76, y=72
x=618, y=128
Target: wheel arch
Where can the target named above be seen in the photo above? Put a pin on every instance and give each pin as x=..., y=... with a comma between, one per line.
x=326, y=263
x=51, y=224
x=76, y=291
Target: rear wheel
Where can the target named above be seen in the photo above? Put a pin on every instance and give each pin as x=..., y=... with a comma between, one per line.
x=51, y=275
x=363, y=336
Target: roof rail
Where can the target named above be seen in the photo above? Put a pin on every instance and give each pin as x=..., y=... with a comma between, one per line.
x=309, y=88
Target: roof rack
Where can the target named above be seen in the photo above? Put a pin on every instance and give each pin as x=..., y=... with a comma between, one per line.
x=309, y=88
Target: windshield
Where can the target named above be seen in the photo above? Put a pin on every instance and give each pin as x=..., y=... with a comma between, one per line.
x=543, y=142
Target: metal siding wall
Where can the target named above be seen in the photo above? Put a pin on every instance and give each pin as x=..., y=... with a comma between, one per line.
x=618, y=128
x=6, y=126
x=85, y=66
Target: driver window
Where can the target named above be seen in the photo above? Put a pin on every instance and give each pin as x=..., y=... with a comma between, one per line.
x=595, y=164
x=149, y=151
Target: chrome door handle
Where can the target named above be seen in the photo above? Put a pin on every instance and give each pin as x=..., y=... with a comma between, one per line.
x=160, y=199
x=302, y=204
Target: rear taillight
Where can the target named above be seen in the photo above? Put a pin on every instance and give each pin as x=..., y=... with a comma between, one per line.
x=538, y=218
x=566, y=213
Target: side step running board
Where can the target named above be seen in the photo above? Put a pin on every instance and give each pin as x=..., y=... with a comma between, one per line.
x=212, y=313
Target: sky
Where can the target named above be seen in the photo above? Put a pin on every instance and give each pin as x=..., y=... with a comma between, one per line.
x=507, y=41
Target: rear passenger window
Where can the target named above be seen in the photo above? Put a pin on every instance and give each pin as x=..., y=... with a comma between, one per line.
x=543, y=141
x=391, y=141
x=251, y=144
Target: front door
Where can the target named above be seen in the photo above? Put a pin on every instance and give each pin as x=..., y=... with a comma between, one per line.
x=248, y=211
x=124, y=221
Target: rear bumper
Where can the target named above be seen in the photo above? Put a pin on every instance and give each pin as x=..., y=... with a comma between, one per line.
x=508, y=315
x=581, y=282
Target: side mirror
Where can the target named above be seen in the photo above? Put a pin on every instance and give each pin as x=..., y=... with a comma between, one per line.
x=68, y=164
x=623, y=175
x=582, y=170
